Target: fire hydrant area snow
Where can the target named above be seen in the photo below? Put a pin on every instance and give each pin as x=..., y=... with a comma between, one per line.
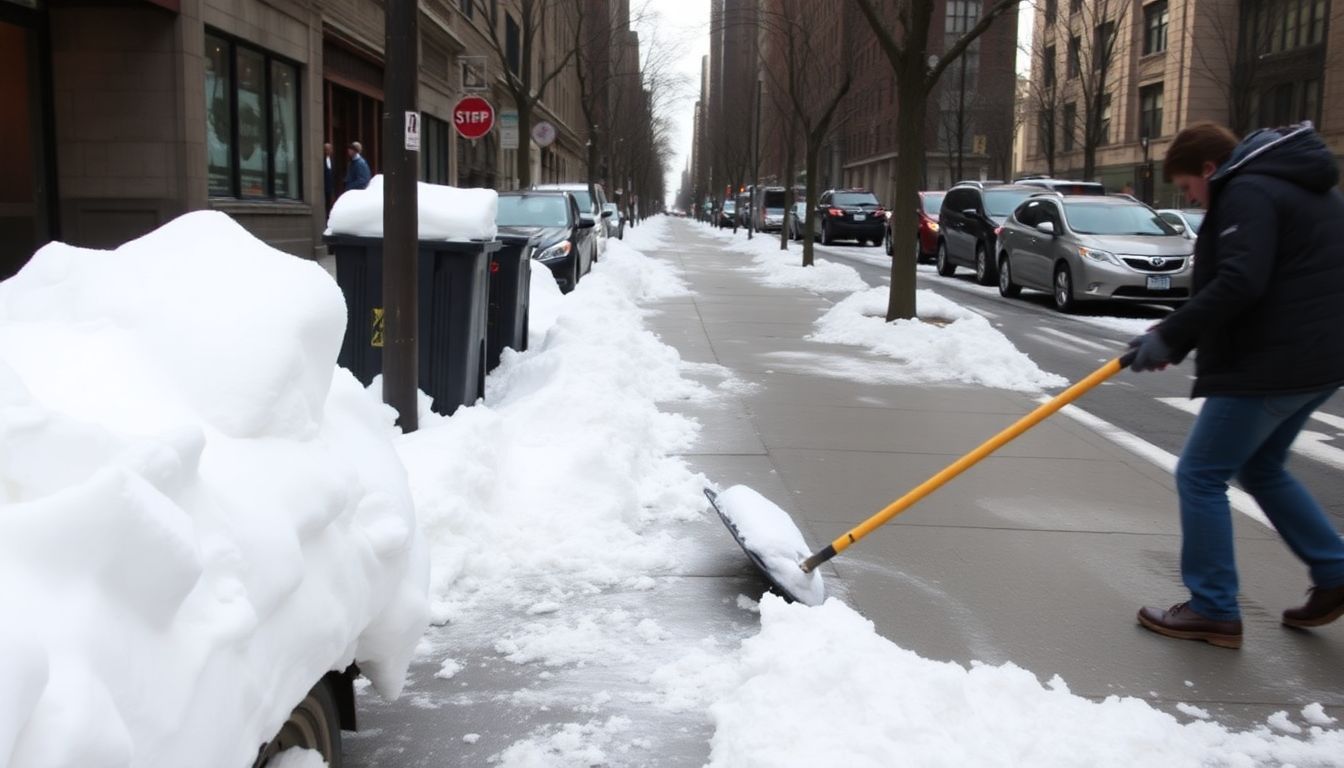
x=203, y=514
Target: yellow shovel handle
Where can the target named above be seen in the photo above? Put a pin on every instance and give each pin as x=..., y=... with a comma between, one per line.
x=966, y=462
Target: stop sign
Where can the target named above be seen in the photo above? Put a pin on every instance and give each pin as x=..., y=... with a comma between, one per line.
x=473, y=117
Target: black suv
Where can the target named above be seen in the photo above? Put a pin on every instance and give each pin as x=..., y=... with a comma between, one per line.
x=968, y=225
x=845, y=214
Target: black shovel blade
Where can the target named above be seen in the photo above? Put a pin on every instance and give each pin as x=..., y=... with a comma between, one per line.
x=779, y=588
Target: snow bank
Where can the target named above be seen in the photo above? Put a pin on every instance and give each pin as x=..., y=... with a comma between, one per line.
x=445, y=213
x=947, y=343
x=650, y=234
x=783, y=269
x=859, y=700
x=201, y=514
x=552, y=487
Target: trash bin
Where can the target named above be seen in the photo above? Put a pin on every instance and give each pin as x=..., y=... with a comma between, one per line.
x=453, y=291
x=510, y=292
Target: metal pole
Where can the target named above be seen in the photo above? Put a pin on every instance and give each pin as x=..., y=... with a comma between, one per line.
x=400, y=220
x=756, y=165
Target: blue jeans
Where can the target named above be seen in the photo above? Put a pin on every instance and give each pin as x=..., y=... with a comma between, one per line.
x=1248, y=438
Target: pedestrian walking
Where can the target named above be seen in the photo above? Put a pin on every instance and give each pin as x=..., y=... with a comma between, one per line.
x=357, y=174
x=1267, y=320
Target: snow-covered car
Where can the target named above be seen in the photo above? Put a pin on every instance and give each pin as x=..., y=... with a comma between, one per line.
x=205, y=529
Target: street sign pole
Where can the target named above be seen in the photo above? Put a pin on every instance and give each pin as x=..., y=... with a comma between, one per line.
x=400, y=220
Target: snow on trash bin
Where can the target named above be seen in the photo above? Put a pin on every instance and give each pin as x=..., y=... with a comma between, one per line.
x=444, y=213
x=200, y=515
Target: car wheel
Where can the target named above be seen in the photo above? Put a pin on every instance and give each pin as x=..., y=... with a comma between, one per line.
x=886, y=243
x=1007, y=288
x=945, y=267
x=314, y=724
x=984, y=271
x=1064, y=300
x=825, y=233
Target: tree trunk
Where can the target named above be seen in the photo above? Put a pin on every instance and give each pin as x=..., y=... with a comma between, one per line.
x=904, y=220
x=524, y=154
x=788, y=191
x=813, y=150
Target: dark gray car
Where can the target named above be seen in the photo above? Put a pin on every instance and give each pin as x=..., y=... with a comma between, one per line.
x=565, y=239
x=1093, y=248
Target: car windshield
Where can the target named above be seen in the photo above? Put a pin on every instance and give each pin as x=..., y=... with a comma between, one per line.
x=729, y=206
x=1000, y=203
x=585, y=202
x=1095, y=219
x=532, y=211
x=1195, y=219
x=855, y=198
x=932, y=202
x=774, y=198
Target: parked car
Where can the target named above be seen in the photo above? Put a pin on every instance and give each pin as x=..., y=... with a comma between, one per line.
x=727, y=214
x=566, y=239
x=926, y=238
x=797, y=219
x=589, y=208
x=1064, y=186
x=1187, y=221
x=616, y=222
x=850, y=214
x=968, y=223
x=771, y=209
x=1090, y=248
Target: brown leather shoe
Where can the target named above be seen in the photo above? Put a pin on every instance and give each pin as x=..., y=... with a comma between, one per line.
x=1181, y=622
x=1323, y=606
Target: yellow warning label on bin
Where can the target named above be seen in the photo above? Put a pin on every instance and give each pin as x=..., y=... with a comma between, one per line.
x=377, y=338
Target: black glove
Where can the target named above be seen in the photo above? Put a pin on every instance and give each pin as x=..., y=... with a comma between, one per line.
x=1151, y=353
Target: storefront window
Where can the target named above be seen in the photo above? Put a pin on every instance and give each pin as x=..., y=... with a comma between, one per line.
x=252, y=122
x=285, y=128
x=218, y=116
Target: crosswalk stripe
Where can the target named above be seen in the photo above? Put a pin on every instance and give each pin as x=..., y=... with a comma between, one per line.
x=1312, y=444
x=1079, y=340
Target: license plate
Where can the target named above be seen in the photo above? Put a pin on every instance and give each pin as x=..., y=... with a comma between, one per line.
x=860, y=217
x=1159, y=283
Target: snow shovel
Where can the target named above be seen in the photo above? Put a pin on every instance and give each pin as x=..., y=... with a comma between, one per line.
x=775, y=545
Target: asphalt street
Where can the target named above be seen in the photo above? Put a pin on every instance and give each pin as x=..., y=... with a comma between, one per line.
x=1154, y=407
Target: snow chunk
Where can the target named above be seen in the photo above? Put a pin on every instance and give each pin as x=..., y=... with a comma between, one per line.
x=947, y=343
x=1281, y=722
x=448, y=669
x=1313, y=713
x=1193, y=711
x=445, y=213
x=298, y=758
x=784, y=269
x=472, y=738
x=769, y=533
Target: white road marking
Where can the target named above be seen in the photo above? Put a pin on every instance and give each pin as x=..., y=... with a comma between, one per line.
x=1239, y=499
x=1052, y=342
x=1079, y=340
x=1312, y=444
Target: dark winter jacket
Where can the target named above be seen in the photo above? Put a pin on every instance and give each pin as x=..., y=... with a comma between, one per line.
x=1267, y=313
x=357, y=175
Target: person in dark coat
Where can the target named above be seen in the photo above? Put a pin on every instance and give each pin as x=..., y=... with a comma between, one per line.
x=328, y=176
x=1267, y=322
x=357, y=174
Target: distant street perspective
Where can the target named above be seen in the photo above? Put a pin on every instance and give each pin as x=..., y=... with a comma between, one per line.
x=650, y=383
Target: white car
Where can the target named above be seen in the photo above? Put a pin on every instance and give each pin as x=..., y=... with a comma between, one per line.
x=616, y=222
x=588, y=207
x=1187, y=221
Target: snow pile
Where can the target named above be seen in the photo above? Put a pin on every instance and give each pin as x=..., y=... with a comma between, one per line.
x=651, y=234
x=859, y=700
x=771, y=535
x=445, y=213
x=298, y=758
x=783, y=269
x=947, y=343
x=201, y=514
x=550, y=489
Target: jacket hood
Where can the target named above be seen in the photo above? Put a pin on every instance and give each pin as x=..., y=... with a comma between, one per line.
x=1295, y=154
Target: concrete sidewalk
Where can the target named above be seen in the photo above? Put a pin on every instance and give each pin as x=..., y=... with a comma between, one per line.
x=1041, y=555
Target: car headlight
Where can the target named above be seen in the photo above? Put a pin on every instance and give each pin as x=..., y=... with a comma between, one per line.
x=558, y=251
x=1097, y=255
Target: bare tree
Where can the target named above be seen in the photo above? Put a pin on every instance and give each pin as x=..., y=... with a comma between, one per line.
x=518, y=44
x=1092, y=59
x=805, y=77
x=906, y=47
x=1043, y=103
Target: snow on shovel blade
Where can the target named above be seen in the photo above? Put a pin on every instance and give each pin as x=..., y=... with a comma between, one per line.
x=769, y=537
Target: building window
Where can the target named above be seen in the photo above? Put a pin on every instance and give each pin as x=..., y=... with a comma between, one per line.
x=1155, y=27
x=961, y=16
x=434, y=144
x=1048, y=67
x=1075, y=56
x=513, y=44
x=1285, y=25
x=1150, y=111
x=1292, y=102
x=1070, y=125
x=1104, y=42
x=252, y=122
x=1104, y=125
x=1051, y=10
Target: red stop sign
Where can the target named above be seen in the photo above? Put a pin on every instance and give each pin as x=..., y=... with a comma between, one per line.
x=473, y=117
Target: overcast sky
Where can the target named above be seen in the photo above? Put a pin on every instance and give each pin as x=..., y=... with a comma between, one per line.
x=685, y=24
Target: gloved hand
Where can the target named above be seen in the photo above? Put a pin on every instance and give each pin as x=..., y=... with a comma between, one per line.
x=1151, y=352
